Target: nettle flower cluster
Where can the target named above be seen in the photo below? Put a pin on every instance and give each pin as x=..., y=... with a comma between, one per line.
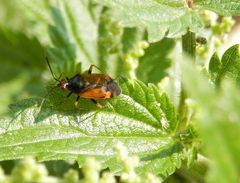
x=217, y=34
x=28, y=170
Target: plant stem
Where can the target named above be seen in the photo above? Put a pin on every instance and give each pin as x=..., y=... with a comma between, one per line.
x=189, y=44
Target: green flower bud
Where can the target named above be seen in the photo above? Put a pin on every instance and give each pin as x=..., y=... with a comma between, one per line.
x=40, y=172
x=2, y=175
x=91, y=170
x=216, y=41
x=71, y=176
x=107, y=177
x=143, y=44
x=209, y=18
x=24, y=170
x=227, y=24
x=152, y=179
x=216, y=30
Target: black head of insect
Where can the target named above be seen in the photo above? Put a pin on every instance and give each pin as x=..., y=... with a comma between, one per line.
x=73, y=83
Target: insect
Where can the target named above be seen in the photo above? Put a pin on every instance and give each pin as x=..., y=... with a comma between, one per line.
x=201, y=40
x=92, y=86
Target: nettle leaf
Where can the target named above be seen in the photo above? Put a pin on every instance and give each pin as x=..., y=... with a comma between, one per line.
x=22, y=64
x=153, y=65
x=64, y=52
x=228, y=67
x=160, y=18
x=130, y=38
x=29, y=17
x=172, y=3
x=222, y=7
x=18, y=50
x=214, y=66
x=142, y=119
x=74, y=35
x=87, y=33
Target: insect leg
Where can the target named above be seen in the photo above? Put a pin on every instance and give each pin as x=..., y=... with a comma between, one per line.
x=69, y=94
x=91, y=67
x=77, y=101
x=97, y=104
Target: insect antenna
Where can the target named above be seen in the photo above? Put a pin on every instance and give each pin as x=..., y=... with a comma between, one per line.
x=91, y=67
x=50, y=68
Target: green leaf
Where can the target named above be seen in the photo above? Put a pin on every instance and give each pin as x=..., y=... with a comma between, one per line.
x=142, y=119
x=153, y=65
x=160, y=18
x=130, y=39
x=222, y=7
x=22, y=62
x=82, y=36
x=87, y=35
x=110, y=44
x=228, y=67
x=10, y=18
x=214, y=66
x=70, y=35
x=20, y=50
x=32, y=17
x=163, y=162
x=219, y=123
x=81, y=21
x=131, y=36
x=64, y=52
x=172, y=3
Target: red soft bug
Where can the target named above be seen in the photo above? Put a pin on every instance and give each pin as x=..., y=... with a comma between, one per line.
x=92, y=86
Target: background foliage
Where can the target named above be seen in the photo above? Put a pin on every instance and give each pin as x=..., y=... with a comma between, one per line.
x=179, y=114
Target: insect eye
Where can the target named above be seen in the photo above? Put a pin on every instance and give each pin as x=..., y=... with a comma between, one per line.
x=63, y=85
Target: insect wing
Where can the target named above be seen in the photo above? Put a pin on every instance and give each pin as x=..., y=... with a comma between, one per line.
x=96, y=78
x=95, y=91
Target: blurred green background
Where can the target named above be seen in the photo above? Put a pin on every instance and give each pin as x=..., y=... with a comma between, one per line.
x=21, y=54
